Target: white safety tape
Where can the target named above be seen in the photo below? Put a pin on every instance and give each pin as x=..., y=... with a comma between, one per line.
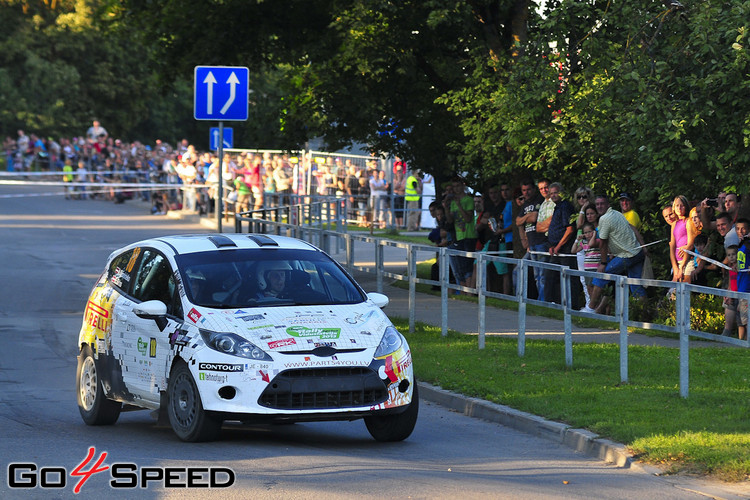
x=712, y=261
x=91, y=188
x=533, y=252
x=89, y=171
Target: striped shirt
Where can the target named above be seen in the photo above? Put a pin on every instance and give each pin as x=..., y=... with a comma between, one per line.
x=615, y=228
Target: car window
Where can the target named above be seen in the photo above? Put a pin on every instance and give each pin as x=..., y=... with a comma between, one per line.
x=265, y=277
x=121, y=269
x=154, y=280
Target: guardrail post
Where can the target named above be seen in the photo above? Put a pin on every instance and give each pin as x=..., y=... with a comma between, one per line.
x=344, y=212
x=481, y=285
x=349, y=252
x=622, y=304
x=379, y=265
x=444, y=281
x=523, y=283
x=683, y=316
x=565, y=299
x=412, y=275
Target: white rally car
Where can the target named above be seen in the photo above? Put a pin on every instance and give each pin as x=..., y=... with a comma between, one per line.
x=242, y=327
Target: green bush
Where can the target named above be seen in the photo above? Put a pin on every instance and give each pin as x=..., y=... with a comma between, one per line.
x=706, y=313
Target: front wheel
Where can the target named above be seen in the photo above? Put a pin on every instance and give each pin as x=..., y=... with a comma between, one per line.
x=186, y=414
x=94, y=406
x=395, y=427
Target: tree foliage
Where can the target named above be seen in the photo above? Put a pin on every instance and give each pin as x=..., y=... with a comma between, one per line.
x=615, y=94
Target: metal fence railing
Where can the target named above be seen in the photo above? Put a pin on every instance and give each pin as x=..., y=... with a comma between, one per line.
x=306, y=222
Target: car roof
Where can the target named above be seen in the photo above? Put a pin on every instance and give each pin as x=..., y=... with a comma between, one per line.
x=193, y=243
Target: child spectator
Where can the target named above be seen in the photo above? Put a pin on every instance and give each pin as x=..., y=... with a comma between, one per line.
x=588, y=242
x=696, y=268
x=730, y=304
x=743, y=278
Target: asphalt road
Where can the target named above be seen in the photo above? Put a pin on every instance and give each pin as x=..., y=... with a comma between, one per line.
x=51, y=252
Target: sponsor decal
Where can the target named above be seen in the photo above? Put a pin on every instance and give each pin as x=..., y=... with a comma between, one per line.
x=360, y=318
x=28, y=475
x=324, y=344
x=308, y=363
x=133, y=258
x=281, y=343
x=178, y=280
x=152, y=348
x=98, y=318
x=259, y=327
x=178, y=337
x=220, y=367
x=323, y=333
x=194, y=315
x=142, y=346
x=251, y=317
x=212, y=377
x=404, y=362
x=123, y=275
x=353, y=341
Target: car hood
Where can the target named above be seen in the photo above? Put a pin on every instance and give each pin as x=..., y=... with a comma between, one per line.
x=299, y=328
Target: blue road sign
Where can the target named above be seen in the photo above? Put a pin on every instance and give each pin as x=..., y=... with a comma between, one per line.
x=228, y=141
x=221, y=93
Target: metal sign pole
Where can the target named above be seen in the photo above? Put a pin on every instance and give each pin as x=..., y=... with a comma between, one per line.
x=220, y=191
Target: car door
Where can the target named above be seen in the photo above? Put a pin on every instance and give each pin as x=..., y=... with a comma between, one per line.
x=143, y=344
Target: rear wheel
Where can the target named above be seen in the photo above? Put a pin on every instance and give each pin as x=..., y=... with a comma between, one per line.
x=395, y=427
x=186, y=414
x=94, y=406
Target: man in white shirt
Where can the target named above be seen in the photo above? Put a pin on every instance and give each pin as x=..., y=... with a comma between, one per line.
x=620, y=239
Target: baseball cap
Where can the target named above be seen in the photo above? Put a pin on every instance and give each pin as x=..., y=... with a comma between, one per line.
x=627, y=196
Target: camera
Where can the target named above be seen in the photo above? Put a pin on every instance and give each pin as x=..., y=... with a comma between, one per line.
x=713, y=202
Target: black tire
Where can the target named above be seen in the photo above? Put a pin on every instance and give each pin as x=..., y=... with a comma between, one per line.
x=388, y=428
x=94, y=406
x=186, y=414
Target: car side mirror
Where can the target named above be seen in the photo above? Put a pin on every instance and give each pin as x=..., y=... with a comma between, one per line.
x=153, y=309
x=378, y=299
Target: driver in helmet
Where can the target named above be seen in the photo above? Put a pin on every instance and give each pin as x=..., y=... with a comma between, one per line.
x=197, y=281
x=272, y=278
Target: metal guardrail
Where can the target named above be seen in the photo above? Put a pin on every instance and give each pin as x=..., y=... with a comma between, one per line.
x=318, y=232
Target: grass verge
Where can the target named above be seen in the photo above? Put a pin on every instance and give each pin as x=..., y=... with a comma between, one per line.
x=708, y=433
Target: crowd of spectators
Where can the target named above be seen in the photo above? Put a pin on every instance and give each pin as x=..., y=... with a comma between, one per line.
x=99, y=166
x=536, y=221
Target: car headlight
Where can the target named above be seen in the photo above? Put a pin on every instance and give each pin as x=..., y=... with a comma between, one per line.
x=390, y=342
x=233, y=344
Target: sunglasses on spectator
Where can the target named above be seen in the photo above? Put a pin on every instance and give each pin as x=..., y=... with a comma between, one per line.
x=582, y=197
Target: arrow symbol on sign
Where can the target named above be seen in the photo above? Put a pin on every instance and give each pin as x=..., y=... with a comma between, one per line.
x=233, y=81
x=211, y=81
x=216, y=137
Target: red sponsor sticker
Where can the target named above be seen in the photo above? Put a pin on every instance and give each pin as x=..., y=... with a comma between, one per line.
x=194, y=315
x=281, y=343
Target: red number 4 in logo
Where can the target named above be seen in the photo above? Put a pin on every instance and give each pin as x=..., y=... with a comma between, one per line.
x=86, y=474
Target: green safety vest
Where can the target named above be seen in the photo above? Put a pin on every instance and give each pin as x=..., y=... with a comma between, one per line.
x=411, y=192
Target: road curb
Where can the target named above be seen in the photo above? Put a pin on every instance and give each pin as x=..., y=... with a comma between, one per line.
x=581, y=440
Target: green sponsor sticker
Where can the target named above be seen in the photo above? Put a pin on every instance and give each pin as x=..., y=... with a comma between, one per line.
x=142, y=346
x=323, y=333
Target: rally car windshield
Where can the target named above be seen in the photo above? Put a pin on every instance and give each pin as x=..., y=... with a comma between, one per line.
x=265, y=277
